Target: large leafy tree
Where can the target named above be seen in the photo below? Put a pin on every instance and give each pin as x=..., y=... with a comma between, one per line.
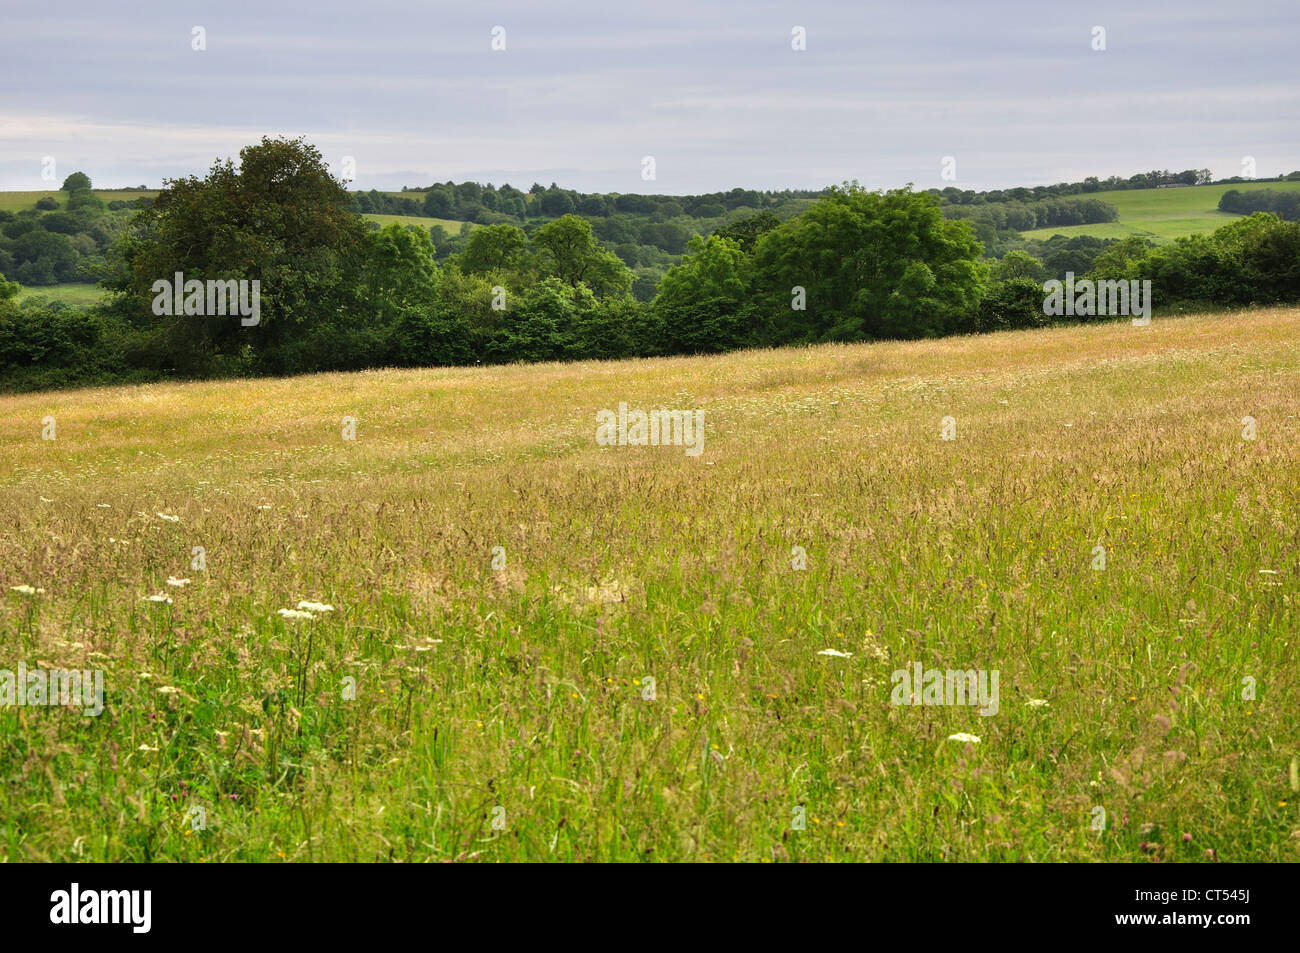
x=702, y=303
x=571, y=253
x=871, y=265
x=495, y=248
x=747, y=231
x=278, y=217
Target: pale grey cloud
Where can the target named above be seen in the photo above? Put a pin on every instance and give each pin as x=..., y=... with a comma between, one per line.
x=414, y=92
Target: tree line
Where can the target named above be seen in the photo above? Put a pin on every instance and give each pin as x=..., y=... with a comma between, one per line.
x=335, y=294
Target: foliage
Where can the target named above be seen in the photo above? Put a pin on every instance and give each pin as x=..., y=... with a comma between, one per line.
x=340, y=294
x=871, y=265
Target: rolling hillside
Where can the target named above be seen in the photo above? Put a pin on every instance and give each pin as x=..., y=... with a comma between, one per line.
x=1162, y=215
x=474, y=632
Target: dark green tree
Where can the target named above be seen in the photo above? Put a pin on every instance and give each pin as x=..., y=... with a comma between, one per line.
x=279, y=218
x=868, y=265
x=571, y=253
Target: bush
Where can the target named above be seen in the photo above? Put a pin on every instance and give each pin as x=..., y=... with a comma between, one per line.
x=47, y=347
x=1011, y=305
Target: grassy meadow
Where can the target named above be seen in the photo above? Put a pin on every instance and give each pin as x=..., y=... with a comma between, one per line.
x=453, y=227
x=506, y=714
x=17, y=201
x=76, y=294
x=1161, y=215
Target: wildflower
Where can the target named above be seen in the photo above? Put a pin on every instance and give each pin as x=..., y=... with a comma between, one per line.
x=157, y=598
x=173, y=581
x=27, y=590
x=1038, y=703
x=835, y=653
x=170, y=519
x=315, y=606
x=965, y=738
x=295, y=614
x=168, y=690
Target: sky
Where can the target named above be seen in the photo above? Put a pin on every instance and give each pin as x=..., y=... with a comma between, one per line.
x=1014, y=92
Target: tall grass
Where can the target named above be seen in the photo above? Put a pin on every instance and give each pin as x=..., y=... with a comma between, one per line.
x=519, y=696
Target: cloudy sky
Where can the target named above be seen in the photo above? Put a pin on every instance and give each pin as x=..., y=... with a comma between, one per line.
x=414, y=92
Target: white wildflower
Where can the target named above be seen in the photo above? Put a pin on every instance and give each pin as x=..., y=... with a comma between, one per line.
x=295, y=614
x=315, y=606
x=173, y=581
x=158, y=598
x=964, y=737
x=836, y=653
x=1038, y=703
x=170, y=519
x=27, y=590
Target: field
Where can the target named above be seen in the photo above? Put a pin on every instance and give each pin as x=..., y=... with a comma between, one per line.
x=76, y=294
x=452, y=226
x=1162, y=215
x=444, y=709
x=17, y=201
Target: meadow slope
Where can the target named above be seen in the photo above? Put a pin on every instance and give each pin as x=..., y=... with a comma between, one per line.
x=506, y=714
x=1162, y=215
